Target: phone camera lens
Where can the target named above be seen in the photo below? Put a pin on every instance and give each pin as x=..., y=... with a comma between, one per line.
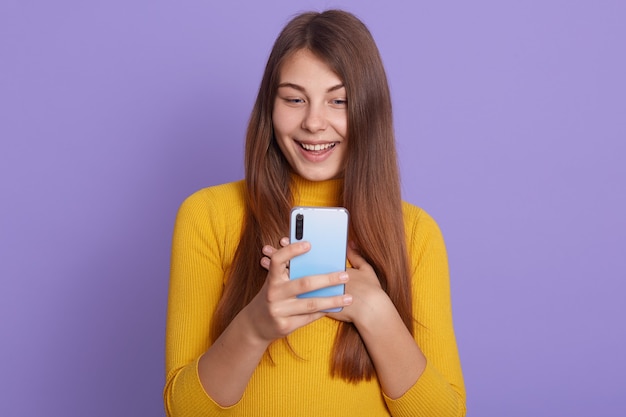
x=299, y=226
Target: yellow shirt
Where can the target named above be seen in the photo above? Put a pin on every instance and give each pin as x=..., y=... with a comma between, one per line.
x=298, y=383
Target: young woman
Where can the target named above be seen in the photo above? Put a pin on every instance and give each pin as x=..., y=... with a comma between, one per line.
x=239, y=341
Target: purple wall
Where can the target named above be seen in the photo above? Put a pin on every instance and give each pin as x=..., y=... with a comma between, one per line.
x=511, y=123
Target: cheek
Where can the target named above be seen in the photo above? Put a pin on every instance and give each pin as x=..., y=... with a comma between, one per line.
x=344, y=129
x=281, y=130
x=284, y=120
x=340, y=124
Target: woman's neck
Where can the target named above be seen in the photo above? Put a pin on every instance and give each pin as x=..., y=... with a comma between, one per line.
x=316, y=193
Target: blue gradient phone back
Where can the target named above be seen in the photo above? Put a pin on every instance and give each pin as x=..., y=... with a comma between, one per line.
x=326, y=229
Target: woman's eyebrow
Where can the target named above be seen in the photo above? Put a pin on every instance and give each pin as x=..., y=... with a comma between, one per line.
x=335, y=88
x=300, y=88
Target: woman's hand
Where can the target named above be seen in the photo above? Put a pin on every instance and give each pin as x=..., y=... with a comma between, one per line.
x=365, y=289
x=398, y=364
x=276, y=310
x=398, y=360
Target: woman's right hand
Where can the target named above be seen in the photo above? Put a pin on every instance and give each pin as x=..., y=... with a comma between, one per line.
x=227, y=366
x=275, y=310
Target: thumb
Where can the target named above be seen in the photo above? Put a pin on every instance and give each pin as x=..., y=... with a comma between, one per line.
x=354, y=257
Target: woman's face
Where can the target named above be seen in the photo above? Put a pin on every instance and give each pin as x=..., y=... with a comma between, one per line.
x=310, y=117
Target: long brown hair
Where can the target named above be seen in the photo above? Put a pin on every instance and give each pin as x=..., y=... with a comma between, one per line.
x=371, y=189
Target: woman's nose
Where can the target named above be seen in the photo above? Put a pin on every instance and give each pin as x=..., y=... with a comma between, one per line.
x=315, y=119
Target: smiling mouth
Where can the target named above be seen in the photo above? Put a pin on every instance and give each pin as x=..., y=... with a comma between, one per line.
x=317, y=147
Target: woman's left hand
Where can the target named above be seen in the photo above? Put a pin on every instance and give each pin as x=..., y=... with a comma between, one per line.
x=367, y=294
x=399, y=364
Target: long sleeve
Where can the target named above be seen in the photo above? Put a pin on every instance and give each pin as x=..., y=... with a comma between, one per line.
x=205, y=236
x=440, y=391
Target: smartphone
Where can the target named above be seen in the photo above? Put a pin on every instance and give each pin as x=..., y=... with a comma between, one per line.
x=326, y=229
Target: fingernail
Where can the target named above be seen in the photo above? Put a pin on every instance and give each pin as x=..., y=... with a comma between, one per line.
x=347, y=299
x=343, y=276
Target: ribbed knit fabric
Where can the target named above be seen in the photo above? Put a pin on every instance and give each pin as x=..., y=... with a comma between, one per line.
x=298, y=383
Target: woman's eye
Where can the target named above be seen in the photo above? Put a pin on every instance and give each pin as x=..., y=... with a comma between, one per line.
x=294, y=100
x=339, y=102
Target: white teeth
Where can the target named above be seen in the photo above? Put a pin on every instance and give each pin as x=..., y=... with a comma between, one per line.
x=317, y=147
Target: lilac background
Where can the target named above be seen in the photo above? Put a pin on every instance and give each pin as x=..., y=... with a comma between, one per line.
x=511, y=123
